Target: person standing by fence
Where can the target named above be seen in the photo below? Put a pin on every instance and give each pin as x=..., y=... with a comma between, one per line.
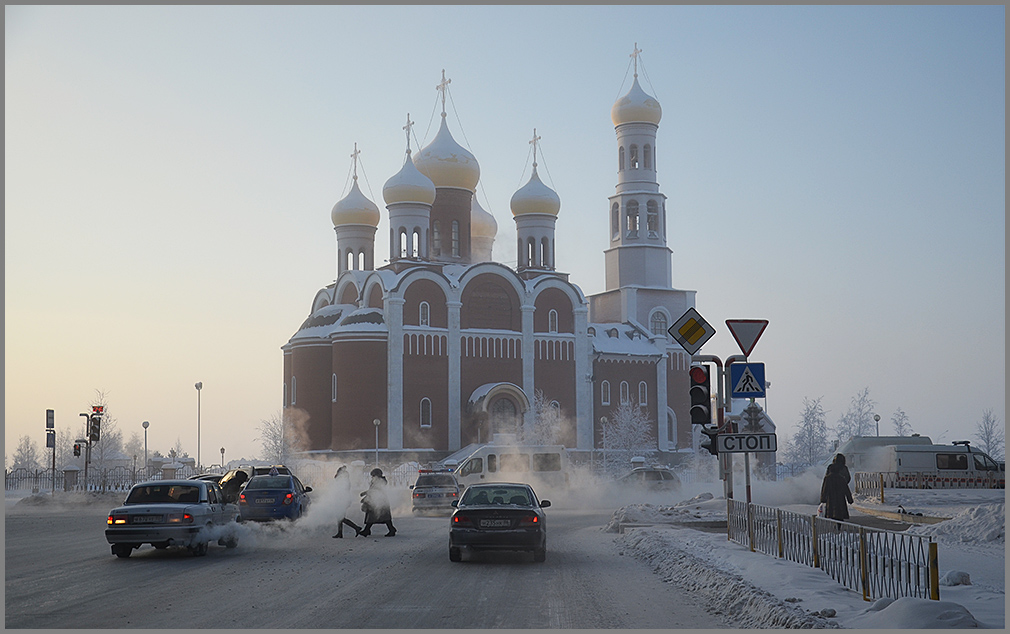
x=835, y=492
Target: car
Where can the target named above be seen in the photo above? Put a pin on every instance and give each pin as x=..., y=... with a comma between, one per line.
x=265, y=470
x=212, y=477
x=652, y=479
x=499, y=516
x=273, y=497
x=434, y=491
x=167, y=513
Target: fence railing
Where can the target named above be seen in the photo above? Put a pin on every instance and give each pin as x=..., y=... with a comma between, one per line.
x=113, y=479
x=877, y=563
x=876, y=482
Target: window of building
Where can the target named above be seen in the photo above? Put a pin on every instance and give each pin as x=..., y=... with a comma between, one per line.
x=643, y=394
x=615, y=221
x=404, y=249
x=625, y=392
x=633, y=162
x=658, y=324
x=652, y=217
x=424, y=314
x=633, y=219
x=415, y=250
x=455, y=238
x=284, y=396
x=545, y=253
x=294, y=391
x=436, y=239
x=333, y=388
x=425, y=416
x=552, y=321
x=620, y=158
x=605, y=393
x=647, y=156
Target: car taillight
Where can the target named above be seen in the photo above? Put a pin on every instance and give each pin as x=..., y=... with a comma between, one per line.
x=288, y=498
x=529, y=520
x=241, y=498
x=180, y=518
x=461, y=520
x=418, y=495
x=117, y=519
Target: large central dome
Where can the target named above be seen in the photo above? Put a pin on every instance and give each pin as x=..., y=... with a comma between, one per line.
x=447, y=163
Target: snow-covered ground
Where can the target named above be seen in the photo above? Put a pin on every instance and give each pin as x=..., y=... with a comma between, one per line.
x=757, y=590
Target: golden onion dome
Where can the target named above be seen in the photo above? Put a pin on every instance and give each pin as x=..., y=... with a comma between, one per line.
x=355, y=209
x=535, y=198
x=447, y=163
x=409, y=185
x=636, y=106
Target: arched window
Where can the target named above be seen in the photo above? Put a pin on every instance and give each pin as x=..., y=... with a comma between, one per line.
x=333, y=388
x=416, y=240
x=531, y=253
x=455, y=238
x=294, y=391
x=360, y=264
x=423, y=314
x=633, y=219
x=425, y=414
x=552, y=321
x=620, y=158
x=436, y=239
x=625, y=395
x=657, y=324
x=643, y=394
x=633, y=162
x=404, y=249
x=348, y=260
x=545, y=253
x=605, y=393
x=284, y=396
x=615, y=221
x=652, y=217
x=647, y=156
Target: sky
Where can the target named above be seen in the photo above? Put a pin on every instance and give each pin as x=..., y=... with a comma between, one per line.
x=170, y=171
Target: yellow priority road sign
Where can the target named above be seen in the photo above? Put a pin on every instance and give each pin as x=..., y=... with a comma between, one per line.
x=691, y=331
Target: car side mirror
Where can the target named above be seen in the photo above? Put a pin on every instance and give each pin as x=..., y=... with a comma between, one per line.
x=544, y=503
x=455, y=503
x=411, y=486
x=307, y=489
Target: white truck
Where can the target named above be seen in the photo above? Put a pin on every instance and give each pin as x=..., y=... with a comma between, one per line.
x=942, y=466
x=503, y=460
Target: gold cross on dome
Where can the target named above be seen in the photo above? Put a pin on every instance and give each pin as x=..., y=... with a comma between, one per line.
x=354, y=156
x=407, y=127
x=443, y=88
x=634, y=55
x=533, y=142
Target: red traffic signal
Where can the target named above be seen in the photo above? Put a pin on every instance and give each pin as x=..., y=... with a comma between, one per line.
x=77, y=449
x=94, y=430
x=701, y=395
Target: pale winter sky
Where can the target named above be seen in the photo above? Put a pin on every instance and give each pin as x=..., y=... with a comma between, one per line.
x=169, y=175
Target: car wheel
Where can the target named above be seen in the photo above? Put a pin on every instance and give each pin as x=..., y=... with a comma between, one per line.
x=540, y=555
x=199, y=550
x=122, y=550
x=455, y=554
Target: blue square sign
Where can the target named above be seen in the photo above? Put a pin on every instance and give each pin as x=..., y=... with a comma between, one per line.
x=747, y=380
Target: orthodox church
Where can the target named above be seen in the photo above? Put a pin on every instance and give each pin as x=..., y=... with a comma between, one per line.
x=443, y=347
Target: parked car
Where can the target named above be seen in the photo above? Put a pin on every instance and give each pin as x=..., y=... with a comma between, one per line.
x=499, y=516
x=272, y=497
x=434, y=491
x=167, y=513
x=652, y=479
x=265, y=470
x=211, y=477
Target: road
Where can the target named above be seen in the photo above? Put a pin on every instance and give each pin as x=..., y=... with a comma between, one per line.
x=60, y=574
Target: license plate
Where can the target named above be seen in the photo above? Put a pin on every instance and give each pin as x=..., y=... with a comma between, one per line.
x=146, y=519
x=495, y=523
x=265, y=501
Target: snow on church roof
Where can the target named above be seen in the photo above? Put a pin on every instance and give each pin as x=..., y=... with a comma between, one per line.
x=622, y=339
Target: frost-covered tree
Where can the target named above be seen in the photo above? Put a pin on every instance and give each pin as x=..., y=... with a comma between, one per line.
x=134, y=446
x=546, y=424
x=810, y=442
x=901, y=425
x=110, y=439
x=629, y=432
x=273, y=440
x=858, y=419
x=990, y=434
x=27, y=455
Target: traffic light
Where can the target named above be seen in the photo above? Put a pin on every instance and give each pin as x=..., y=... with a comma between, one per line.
x=701, y=395
x=77, y=449
x=94, y=432
x=711, y=445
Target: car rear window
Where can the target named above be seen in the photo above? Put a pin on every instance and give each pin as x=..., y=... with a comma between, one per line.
x=435, y=481
x=269, y=482
x=476, y=495
x=164, y=494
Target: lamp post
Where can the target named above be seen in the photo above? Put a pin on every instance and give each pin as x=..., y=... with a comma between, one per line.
x=222, y=457
x=376, y=422
x=199, y=386
x=876, y=419
x=145, y=425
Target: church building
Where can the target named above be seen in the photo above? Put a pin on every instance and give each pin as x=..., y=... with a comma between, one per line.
x=443, y=347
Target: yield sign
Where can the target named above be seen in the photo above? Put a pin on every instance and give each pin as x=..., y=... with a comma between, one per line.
x=746, y=332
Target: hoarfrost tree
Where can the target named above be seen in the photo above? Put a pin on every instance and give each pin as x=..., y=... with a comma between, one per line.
x=858, y=419
x=810, y=442
x=990, y=434
x=273, y=440
x=546, y=424
x=629, y=432
x=27, y=455
x=900, y=421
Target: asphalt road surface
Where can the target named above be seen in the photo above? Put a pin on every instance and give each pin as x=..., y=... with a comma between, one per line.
x=60, y=573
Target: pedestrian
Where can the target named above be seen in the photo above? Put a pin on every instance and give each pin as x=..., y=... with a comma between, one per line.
x=375, y=504
x=835, y=493
x=343, y=486
x=839, y=461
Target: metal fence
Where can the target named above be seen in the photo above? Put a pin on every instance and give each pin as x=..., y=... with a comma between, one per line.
x=114, y=479
x=878, y=563
x=876, y=482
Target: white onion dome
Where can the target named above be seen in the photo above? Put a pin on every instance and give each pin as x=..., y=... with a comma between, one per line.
x=409, y=186
x=482, y=223
x=355, y=209
x=447, y=163
x=535, y=198
x=636, y=106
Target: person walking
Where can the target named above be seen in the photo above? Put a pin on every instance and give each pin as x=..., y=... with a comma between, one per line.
x=835, y=493
x=343, y=486
x=375, y=504
x=839, y=461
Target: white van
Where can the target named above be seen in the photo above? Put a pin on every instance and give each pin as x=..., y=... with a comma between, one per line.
x=505, y=462
x=943, y=466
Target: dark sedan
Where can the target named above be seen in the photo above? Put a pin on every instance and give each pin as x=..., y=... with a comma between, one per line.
x=272, y=497
x=499, y=516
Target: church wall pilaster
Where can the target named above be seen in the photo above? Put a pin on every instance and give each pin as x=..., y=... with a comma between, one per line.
x=455, y=354
x=393, y=308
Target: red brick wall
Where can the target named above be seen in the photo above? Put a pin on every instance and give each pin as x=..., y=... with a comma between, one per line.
x=310, y=366
x=360, y=367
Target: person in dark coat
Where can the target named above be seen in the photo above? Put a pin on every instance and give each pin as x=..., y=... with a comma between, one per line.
x=343, y=484
x=835, y=493
x=375, y=504
x=839, y=461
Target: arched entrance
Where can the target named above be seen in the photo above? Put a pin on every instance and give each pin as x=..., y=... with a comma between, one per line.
x=498, y=408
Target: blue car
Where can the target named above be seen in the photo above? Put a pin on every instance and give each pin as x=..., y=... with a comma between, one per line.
x=268, y=497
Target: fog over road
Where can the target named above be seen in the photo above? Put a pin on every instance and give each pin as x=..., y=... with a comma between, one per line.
x=60, y=574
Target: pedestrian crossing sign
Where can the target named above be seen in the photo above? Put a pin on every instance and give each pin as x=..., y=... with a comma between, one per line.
x=747, y=380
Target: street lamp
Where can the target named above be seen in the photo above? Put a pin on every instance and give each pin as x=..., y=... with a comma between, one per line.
x=222, y=457
x=376, y=422
x=199, y=386
x=145, y=425
x=876, y=419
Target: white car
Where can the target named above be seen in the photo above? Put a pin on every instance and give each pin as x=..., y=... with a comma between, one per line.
x=167, y=513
